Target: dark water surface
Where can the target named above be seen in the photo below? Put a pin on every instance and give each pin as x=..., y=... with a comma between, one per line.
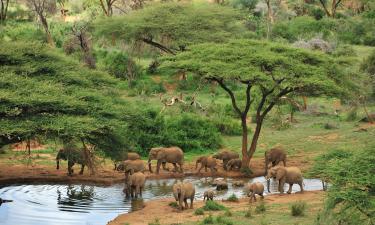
x=87, y=204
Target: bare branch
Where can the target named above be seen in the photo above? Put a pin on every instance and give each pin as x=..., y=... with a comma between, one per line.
x=234, y=103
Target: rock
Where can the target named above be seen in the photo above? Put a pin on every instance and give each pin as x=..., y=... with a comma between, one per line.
x=238, y=183
x=222, y=185
x=330, y=126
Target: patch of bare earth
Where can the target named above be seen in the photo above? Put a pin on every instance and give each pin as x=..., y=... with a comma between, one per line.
x=159, y=209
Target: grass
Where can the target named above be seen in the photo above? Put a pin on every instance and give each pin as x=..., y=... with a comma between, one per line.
x=213, y=206
x=173, y=205
x=261, y=208
x=298, y=208
x=232, y=198
x=199, y=211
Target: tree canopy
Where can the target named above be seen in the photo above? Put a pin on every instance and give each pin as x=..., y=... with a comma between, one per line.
x=173, y=26
x=266, y=69
x=44, y=93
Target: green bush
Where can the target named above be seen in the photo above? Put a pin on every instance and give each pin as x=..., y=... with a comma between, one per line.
x=260, y=208
x=173, y=204
x=213, y=206
x=298, y=208
x=199, y=211
x=232, y=198
x=208, y=220
x=228, y=126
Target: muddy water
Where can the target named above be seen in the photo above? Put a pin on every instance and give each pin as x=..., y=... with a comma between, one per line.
x=86, y=204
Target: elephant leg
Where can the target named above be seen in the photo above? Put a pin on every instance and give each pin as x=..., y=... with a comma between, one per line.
x=186, y=203
x=181, y=164
x=70, y=169
x=164, y=164
x=82, y=169
x=180, y=203
x=281, y=186
x=175, y=168
x=301, y=185
x=290, y=188
x=200, y=168
x=191, y=202
x=225, y=164
x=284, y=162
x=158, y=166
x=205, y=169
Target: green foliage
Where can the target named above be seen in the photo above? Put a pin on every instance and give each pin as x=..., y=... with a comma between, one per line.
x=45, y=93
x=213, y=206
x=223, y=220
x=232, y=198
x=199, y=211
x=173, y=205
x=208, y=220
x=227, y=125
x=21, y=31
x=249, y=213
x=298, y=208
x=260, y=208
x=351, y=197
x=176, y=25
x=228, y=213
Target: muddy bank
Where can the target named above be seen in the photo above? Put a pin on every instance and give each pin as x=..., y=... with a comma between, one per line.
x=159, y=209
x=16, y=174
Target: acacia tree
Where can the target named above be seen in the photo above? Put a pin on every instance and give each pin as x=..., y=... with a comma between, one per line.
x=262, y=69
x=40, y=7
x=171, y=27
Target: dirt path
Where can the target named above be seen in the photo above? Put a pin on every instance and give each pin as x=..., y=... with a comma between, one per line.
x=159, y=209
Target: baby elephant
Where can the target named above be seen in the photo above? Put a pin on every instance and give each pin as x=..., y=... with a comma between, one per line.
x=234, y=163
x=182, y=192
x=209, y=195
x=253, y=189
x=206, y=161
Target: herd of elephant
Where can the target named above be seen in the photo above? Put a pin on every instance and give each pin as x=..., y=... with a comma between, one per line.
x=133, y=167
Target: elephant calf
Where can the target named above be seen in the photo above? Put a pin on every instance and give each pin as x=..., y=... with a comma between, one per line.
x=253, y=189
x=206, y=161
x=226, y=155
x=289, y=175
x=128, y=156
x=134, y=165
x=234, y=163
x=182, y=192
x=208, y=195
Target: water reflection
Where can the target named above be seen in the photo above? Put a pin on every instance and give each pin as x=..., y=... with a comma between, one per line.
x=82, y=195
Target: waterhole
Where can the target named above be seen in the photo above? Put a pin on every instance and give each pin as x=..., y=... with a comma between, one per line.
x=50, y=204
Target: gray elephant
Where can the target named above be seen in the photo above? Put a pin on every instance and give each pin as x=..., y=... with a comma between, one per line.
x=253, y=189
x=289, y=175
x=73, y=156
x=234, y=163
x=209, y=195
x=173, y=155
x=134, y=184
x=127, y=165
x=128, y=156
x=206, y=161
x=226, y=155
x=274, y=156
x=182, y=192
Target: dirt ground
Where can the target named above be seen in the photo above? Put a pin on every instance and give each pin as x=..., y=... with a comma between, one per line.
x=21, y=173
x=159, y=209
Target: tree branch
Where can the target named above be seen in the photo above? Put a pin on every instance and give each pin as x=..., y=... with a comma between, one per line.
x=157, y=45
x=221, y=83
x=325, y=8
x=272, y=104
x=248, y=100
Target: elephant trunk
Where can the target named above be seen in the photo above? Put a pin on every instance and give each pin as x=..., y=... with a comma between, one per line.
x=268, y=185
x=149, y=165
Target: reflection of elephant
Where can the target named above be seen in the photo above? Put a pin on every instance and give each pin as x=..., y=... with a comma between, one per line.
x=289, y=175
x=72, y=155
x=253, y=189
x=234, y=163
x=128, y=156
x=206, y=161
x=209, y=195
x=226, y=155
x=182, y=192
x=172, y=155
x=134, y=184
x=274, y=156
x=128, y=165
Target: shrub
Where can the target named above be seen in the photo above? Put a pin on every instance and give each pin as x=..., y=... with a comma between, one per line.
x=317, y=13
x=298, y=208
x=227, y=126
x=173, y=205
x=199, y=211
x=260, y=208
x=208, y=220
x=213, y=206
x=232, y=198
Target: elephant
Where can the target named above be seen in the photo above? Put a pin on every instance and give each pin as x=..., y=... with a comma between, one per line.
x=253, y=189
x=4, y=201
x=134, y=184
x=206, y=161
x=182, y=192
x=226, y=155
x=128, y=156
x=72, y=155
x=209, y=195
x=173, y=155
x=127, y=165
x=222, y=185
x=234, y=163
x=289, y=175
x=274, y=156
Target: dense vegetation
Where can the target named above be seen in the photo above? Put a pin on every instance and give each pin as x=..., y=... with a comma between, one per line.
x=132, y=75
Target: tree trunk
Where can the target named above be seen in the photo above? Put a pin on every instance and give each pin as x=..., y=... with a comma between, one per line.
x=245, y=158
x=43, y=20
x=254, y=142
x=304, y=102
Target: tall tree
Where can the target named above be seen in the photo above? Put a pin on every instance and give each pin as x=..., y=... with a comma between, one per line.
x=3, y=10
x=171, y=27
x=262, y=69
x=330, y=6
x=40, y=7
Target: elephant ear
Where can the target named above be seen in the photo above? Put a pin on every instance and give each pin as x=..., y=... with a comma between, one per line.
x=280, y=173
